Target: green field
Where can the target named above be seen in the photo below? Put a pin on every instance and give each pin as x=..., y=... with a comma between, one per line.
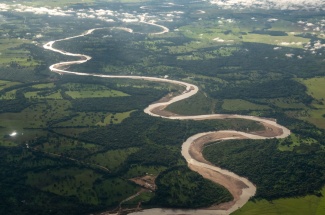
x=42, y=86
x=14, y=56
x=4, y=84
x=95, y=94
x=215, y=34
x=37, y=95
x=315, y=88
x=239, y=105
x=9, y=95
x=111, y=159
x=197, y=104
x=94, y=119
x=311, y=205
x=36, y=116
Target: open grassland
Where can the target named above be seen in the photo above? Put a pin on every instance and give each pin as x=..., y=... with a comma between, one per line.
x=9, y=95
x=239, y=105
x=112, y=158
x=216, y=34
x=315, y=88
x=4, y=84
x=42, y=86
x=95, y=94
x=57, y=114
x=286, y=103
x=287, y=41
x=12, y=55
x=36, y=116
x=114, y=118
x=38, y=95
x=289, y=143
x=197, y=104
x=311, y=205
x=83, y=119
x=76, y=91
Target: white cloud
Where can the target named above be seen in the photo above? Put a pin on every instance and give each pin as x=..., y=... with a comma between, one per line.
x=271, y=4
x=290, y=55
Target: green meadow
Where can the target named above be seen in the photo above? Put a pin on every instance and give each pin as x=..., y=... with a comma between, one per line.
x=111, y=159
x=311, y=205
x=239, y=104
x=315, y=88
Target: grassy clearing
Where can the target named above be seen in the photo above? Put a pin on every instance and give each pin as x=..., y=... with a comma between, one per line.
x=12, y=55
x=311, y=205
x=94, y=119
x=288, y=144
x=138, y=170
x=287, y=41
x=315, y=88
x=8, y=143
x=9, y=95
x=37, y=95
x=36, y=116
x=197, y=104
x=43, y=86
x=286, y=103
x=216, y=34
x=316, y=117
x=111, y=159
x=95, y=94
x=4, y=84
x=114, y=118
x=239, y=105
x=77, y=91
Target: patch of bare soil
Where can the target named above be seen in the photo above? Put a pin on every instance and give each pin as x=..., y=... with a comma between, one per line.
x=147, y=181
x=162, y=112
x=269, y=131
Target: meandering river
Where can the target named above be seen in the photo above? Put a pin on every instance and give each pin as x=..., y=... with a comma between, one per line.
x=247, y=189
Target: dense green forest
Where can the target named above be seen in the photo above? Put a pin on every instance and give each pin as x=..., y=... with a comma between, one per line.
x=286, y=174
x=184, y=192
